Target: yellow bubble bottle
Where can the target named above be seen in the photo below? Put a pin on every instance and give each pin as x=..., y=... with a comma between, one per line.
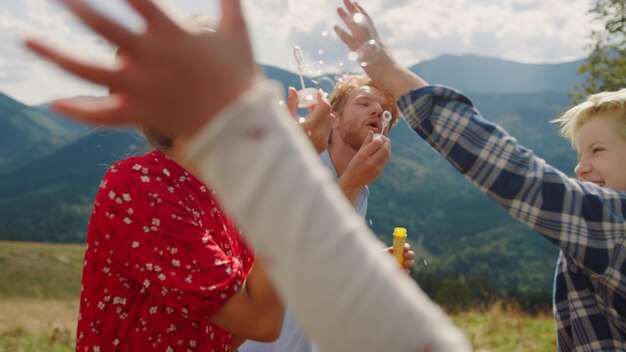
x=399, y=237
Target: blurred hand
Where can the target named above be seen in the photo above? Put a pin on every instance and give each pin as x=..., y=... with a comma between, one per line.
x=318, y=123
x=171, y=77
x=409, y=257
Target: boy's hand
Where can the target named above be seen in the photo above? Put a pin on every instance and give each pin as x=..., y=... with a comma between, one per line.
x=384, y=70
x=362, y=31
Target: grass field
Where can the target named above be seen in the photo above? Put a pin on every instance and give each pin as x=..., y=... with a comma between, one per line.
x=40, y=285
x=507, y=329
x=39, y=289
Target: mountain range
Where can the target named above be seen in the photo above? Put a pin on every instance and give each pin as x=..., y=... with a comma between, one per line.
x=50, y=169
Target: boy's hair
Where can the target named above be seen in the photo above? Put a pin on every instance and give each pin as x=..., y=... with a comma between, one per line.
x=606, y=102
x=343, y=89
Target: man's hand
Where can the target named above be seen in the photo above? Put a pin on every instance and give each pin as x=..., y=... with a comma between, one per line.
x=171, y=77
x=409, y=257
x=366, y=166
x=318, y=123
x=385, y=70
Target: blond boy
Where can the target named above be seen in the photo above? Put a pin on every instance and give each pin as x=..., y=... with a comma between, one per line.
x=585, y=218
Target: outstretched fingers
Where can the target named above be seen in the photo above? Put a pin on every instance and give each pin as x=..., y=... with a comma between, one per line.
x=346, y=38
x=234, y=23
x=359, y=32
x=109, y=29
x=347, y=18
x=359, y=24
x=154, y=16
x=351, y=6
x=360, y=9
x=90, y=72
x=111, y=110
x=232, y=14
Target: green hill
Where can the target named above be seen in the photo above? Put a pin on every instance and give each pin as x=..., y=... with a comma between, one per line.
x=27, y=133
x=477, y=74
x=459, y=232
x=50, y=199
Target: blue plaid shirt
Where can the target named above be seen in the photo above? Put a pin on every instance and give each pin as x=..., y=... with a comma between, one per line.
x=584, y=220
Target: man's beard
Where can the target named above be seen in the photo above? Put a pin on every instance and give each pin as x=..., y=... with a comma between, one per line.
x=353, y=138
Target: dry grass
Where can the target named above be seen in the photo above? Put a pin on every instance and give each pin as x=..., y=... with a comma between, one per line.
x=33, y=324
x=500, y=328
x=37, y=315
x=39, y=290
x=40, y=285
x=40, y=270
x=49, y=325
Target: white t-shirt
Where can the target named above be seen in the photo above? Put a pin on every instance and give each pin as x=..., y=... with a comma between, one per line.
x=292, y=337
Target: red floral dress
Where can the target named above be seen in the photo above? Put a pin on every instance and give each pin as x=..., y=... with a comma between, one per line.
x=161, y=258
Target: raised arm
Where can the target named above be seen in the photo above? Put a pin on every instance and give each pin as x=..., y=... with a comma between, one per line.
x=583, y=219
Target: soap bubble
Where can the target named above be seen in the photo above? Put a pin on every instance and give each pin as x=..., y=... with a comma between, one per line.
x=325, y=83
x=368, y=52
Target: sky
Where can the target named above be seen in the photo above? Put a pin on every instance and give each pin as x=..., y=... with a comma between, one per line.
x=529, y=31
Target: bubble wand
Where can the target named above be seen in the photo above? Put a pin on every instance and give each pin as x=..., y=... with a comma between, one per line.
x=306, y=96
x=386, y=120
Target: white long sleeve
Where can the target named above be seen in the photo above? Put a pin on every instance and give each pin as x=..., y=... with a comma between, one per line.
x=327, y=265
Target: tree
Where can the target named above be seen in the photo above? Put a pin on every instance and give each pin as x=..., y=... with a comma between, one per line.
x=605, y=68
x=454, y=295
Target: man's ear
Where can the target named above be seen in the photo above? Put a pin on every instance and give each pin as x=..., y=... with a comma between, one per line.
x=335, y=118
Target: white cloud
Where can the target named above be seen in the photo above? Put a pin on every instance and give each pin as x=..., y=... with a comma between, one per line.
x=529, y=31
x=537, y=32
x=25, y=77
